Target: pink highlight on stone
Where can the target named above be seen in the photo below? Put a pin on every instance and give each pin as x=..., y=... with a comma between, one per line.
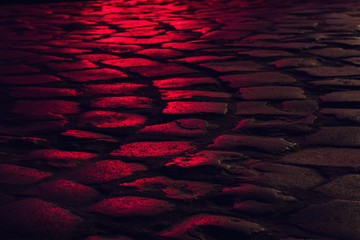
x=104, y=171
x=37, y=218
x=14, y=174
x=153, y=149
x=107, y=119
x=131, y=206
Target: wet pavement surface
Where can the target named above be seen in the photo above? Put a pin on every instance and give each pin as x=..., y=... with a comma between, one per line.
x=163, y=119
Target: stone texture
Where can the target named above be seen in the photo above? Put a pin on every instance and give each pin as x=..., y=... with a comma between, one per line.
x=326, y=71
x=286, y=176
x=337, y=218
x=344, y=187
x=278, y=92
x=108, y=119
x=240, y=66
x=195, y=107
x=268, y=144
x=190, y=229
x=154, y=149
x=336, y=136
x=131, y=206
x=104, y=171
x=253, y=79
x=334, y=157
x=348, y=96
x=35, y=217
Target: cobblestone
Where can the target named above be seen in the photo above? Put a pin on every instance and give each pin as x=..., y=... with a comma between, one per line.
x=165, y=119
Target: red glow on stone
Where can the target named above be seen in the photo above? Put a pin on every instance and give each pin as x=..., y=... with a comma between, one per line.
x=153, y=149
x=183, y=82
x=129, y=62
x=113, y=89
x=63, y=191
x=13, y=174
x=42, y=92
x=88, y=135
x=105, y=171
x=124, y=102
x=107, y=119
x=190, y=227
x=60, y=158
x=49, y=106
x=131, y=206
x=177, y=189
x=36, y=217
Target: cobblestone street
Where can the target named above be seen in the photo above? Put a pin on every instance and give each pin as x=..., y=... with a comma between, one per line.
x=179, y=119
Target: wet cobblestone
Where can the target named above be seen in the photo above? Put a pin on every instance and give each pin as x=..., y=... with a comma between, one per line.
x=165, y=119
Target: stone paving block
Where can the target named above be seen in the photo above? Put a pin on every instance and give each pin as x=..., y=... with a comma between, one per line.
x=131, y=206
x=121, y=102
x=160, y=53
x=17, y=69
x=303, y=125
x=249, y=191
x=346, y=96
x=190, y=228
x=300, y=107
x=73, y=65
x=112, y=89
x=270, y=92
x=208, y=158
x=91, y=136
x=42, y=92
x=337, y=218
x=336, y=136
x=353, y=60
x=335, y=52
x=96, y=57
x=104, y=171
x=325, y=71
x=63, y=191
x=108, y=119
x=228, y=35
x=28, y=79
x=253, y=79
x=187, y=45
x=14, y=174
x=35, y=217
x=129, y=62
x=325, y=156
x=344, y=187
x=162, y=69
x=190, y=94
x=199, y=59
x=184, y=82
x=269, y=144
x=58, y=158
x=195, y=107
x=258, y=108
x=254, y=207
x=239, y=66
x=265, y=53
x=296, y=62
x=337, y=82
x=43, y=107
x=154, y=149
x=181, y=127
x=286, y=176
x=177, y=189
x=342, y=113
x=93, y=74
x=295, y=45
